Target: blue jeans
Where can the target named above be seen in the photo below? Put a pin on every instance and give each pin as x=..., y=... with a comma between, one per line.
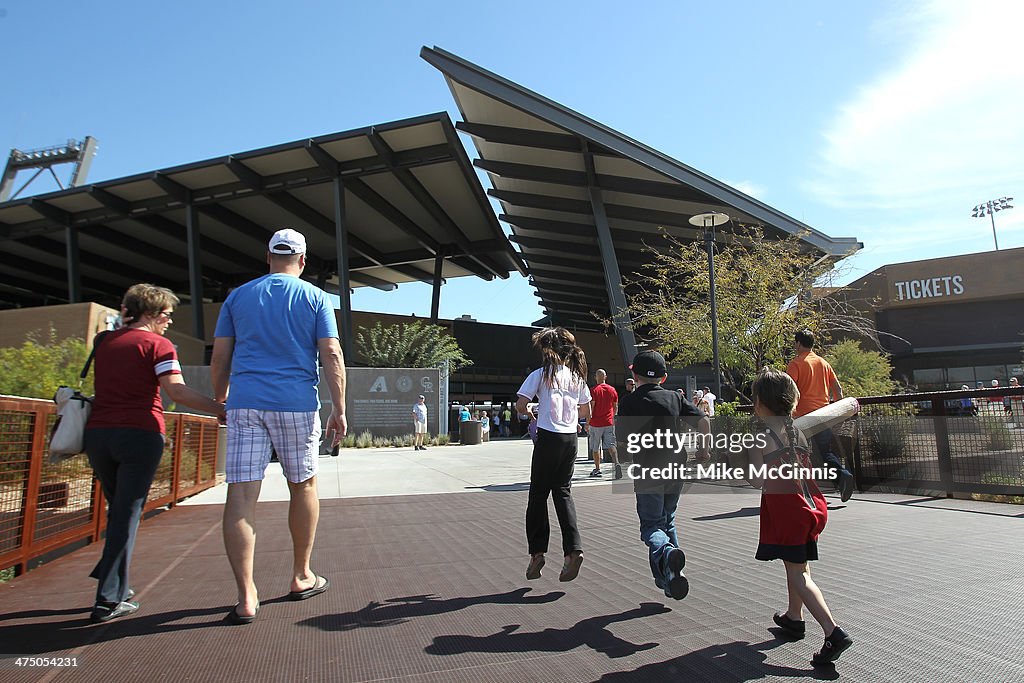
x=657, y=513
x=823, y=444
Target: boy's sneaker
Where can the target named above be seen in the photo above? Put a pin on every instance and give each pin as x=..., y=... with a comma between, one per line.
x=618, y=471
x=844, y=485
x=792, y=627
x=835, y=645
x=596, y=472
x=678, y=585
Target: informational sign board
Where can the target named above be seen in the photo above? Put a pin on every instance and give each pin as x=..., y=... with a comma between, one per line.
x=381, y=399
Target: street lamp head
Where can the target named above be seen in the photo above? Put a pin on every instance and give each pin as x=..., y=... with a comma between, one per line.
x=709, y=220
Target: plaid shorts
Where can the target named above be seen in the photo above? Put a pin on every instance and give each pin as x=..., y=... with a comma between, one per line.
x=252, y=433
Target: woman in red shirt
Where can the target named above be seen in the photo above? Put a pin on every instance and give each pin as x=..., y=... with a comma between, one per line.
x=124, y=437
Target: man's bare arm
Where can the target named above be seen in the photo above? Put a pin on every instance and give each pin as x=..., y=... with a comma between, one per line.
x=333, y=360
x=220, y=366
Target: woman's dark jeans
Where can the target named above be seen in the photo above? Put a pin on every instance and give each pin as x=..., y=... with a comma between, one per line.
x=125, y=461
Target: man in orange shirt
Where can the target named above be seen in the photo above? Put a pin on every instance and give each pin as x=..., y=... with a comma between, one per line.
x=818, y=387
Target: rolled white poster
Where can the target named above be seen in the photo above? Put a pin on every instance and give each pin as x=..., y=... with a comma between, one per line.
x=827, y=417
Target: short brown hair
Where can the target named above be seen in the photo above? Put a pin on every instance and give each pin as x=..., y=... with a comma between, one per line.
x=146, y=299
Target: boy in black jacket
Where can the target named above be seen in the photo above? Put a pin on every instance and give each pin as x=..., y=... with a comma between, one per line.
x=648, y=410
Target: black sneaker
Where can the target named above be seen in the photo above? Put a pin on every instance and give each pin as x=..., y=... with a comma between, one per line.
x=596, y=472
x=835, y=645
x=792, y=627
x=678, y=585
x=105, y=611
x=844, y=485
x=618, y=471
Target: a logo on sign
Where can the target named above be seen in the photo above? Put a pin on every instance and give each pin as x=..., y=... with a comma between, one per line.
x=379, y=385
x=404, y=383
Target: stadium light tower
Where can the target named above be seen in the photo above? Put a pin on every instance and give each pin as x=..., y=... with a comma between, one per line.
x=989, y=208
x=77, y=152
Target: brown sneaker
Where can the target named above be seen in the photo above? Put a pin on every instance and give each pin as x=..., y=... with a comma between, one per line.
x=571, y=568
x=536, y=564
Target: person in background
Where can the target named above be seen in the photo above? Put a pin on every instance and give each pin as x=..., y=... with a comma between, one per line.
x=709, y=401
x=818, y=386
x=124, y=437
x=630, y=385
x=419, y=423
x=601, y=425
x=560, y=385
x=506, y=421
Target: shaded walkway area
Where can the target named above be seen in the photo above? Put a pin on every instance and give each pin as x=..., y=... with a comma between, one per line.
x=432, y=588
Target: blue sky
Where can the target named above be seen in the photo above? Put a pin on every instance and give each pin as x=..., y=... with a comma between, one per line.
x=886, y=121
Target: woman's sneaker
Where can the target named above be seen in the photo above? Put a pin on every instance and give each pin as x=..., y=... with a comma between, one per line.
x=105, y=611
x=835, y=645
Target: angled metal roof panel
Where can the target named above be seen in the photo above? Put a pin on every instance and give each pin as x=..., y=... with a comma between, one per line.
x=410, y=190
x=533, y=150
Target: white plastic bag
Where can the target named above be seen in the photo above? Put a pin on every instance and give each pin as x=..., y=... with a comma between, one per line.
x=68, y=435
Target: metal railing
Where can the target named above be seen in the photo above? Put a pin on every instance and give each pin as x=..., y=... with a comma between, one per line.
x=45, y=507
x=948, y=442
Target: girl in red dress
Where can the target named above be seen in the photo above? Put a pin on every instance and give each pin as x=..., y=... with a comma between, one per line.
x=793, y=511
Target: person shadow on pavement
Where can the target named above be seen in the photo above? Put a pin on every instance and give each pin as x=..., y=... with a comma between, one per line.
x=733, y=662
x=46, y=636
x=399, y=610
x=591, y=632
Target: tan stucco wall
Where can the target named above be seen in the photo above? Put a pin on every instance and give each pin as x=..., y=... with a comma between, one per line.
x=83, y=321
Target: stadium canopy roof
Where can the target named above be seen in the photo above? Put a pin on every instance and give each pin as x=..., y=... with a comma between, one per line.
x=396, y=202
x=582, y=199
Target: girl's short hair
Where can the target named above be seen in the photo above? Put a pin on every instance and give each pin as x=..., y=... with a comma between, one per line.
x=146, y=299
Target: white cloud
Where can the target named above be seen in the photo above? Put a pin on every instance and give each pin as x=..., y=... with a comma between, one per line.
x=748, y=188
x=942, y=130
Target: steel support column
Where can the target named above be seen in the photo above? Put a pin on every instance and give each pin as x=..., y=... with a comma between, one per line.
x=341, y=249
x=435, y=297
x=195, y=271
x=612, y=277
x=74, y=264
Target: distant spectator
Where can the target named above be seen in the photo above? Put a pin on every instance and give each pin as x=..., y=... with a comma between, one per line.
x=709, y=399
x=967, y=406
x=1007, y=400
x=630, y=385
x=464, y=415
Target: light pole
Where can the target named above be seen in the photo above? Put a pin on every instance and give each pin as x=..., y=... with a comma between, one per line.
x=709, y=221
x=989, y=208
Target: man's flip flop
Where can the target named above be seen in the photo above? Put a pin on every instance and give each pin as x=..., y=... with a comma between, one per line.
x=316, y=589
x=237, y=619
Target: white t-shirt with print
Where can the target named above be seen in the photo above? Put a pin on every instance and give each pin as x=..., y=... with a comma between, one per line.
x=557, y=403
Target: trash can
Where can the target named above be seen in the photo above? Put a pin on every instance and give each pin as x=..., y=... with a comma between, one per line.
x=470, y=432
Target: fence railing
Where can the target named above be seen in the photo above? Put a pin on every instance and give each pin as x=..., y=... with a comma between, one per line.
x=45, y=507
x=944, y=442
x=948, y=442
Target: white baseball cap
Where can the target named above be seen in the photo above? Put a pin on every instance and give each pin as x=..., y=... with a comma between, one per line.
x=287, y=241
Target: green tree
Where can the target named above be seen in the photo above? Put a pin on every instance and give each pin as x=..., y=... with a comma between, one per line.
x=40, y=365
x=862, y=373
x=409, y=345
x=765, y=289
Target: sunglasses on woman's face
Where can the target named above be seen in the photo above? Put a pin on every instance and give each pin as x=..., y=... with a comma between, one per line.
x=168, y=315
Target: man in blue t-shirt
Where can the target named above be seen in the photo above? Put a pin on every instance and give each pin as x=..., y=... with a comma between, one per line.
x=269, y=336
